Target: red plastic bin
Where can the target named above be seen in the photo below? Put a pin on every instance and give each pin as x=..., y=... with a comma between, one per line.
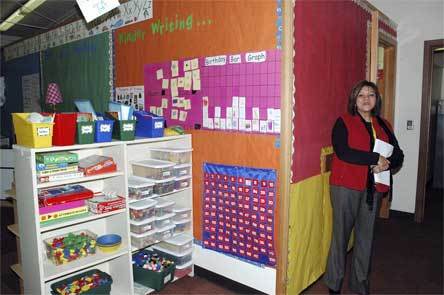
x=64, y=129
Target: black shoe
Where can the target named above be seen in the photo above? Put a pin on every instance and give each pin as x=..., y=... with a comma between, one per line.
x=331, y=291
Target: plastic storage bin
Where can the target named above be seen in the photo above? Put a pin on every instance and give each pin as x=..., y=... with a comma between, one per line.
x=183, y=270
x=163, y=207
x=64, y=129
x=165, y=232
x=178, y=244
x=149, y=278
x=164, y=220
x=143, y=226
x=154, y=169
x=72, y=246
x=103, y=130
x=182, y=170
x=178, y=258
x=148, y=124
x=142, y=210
x=164, y=186
x=34, y=135
x=139, y=188
x=85, y=132
x=143, y=240
x=124, y=129
x=181, y=213
x=176, y=155
x=100, y=286
x=182, y=182
x=181, y=226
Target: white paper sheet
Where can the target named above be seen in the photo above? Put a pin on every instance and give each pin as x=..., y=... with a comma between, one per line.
x=384, y=149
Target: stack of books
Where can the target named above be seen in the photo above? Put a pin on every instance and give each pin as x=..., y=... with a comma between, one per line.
x=61, y=203
x=57, y=166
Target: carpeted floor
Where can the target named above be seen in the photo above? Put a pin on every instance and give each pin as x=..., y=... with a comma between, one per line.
x=408, y=258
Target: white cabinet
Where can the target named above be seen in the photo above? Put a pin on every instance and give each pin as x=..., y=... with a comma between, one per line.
x=38, y=271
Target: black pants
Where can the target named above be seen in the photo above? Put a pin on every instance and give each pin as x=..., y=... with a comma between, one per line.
x=351, y=210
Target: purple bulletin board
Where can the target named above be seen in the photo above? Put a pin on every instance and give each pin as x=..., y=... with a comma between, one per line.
x=255, y=82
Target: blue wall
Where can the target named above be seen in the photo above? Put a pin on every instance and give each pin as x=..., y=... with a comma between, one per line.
x=13, y=71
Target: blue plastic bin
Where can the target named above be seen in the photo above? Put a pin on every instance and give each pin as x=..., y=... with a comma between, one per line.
x=103, y=131
x=148, y=124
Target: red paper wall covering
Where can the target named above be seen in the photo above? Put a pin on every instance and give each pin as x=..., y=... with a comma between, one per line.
x=330, y=57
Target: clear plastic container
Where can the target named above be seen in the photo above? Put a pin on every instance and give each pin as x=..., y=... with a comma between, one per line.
x=178, y=258
x=154, y=169
x=182, y=170
x=143, y=240
x=183, y=269
x=163, y=207
x=142, y=210
x=178, y=244
x=181, y=213
x=176, y=155
x=164, y=186
x=143, y=226
x=139, y=188
x=183, y=225
x=164, y=220
x=182, y=182
x=84, y=244
x=165, y=232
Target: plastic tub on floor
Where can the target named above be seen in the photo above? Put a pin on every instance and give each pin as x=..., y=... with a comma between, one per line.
x=183, y=270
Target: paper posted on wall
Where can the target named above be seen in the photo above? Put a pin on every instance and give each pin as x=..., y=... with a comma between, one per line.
x=384, y=149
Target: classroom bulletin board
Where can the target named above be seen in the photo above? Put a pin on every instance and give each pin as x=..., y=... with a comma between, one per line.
x=82, y=69
x=214, y=68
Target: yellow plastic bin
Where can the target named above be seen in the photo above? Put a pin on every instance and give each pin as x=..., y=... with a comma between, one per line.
x=34, y=135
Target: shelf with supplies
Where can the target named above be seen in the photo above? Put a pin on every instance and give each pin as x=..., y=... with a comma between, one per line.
x=41, y=267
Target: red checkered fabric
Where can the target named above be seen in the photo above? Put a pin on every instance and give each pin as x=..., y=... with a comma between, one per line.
x=53, y=95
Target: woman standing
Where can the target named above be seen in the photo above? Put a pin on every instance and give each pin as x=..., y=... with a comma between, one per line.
x=355, y=197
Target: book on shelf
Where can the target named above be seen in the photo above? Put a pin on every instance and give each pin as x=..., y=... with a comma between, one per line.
x=63, y=214
x=56, y=157
x=60, y=176
x=63, y=194
x=41, y=166
x=105, y=203
x=72, y=168
x=97, y=164
x=61, y=207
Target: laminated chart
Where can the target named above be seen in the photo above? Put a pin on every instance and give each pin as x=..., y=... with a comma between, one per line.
x=235, y=92
x=238, y=212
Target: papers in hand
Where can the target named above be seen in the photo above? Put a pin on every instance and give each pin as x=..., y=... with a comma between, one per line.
x=384, y=149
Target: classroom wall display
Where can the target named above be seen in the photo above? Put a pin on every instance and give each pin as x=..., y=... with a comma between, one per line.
x=82, y=70
x=238, y=211
x=239, y=92
x=132, y=95
x=129, y=12
x=31, y=93
x=326, y=68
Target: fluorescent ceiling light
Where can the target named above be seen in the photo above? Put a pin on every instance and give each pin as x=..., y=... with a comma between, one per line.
x=19, y=14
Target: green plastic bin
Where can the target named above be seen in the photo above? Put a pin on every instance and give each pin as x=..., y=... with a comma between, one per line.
x=85, y=132
x=103, y=289
x=124, y=129
x=153, y=279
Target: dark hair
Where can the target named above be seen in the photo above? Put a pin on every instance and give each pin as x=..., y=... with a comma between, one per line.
x=351, y=108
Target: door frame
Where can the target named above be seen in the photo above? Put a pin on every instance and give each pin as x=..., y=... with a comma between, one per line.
x=429, y=47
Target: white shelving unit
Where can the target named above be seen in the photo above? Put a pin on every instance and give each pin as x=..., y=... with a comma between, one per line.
x=37, y=271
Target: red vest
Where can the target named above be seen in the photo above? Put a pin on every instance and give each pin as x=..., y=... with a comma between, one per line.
x=354, y=176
